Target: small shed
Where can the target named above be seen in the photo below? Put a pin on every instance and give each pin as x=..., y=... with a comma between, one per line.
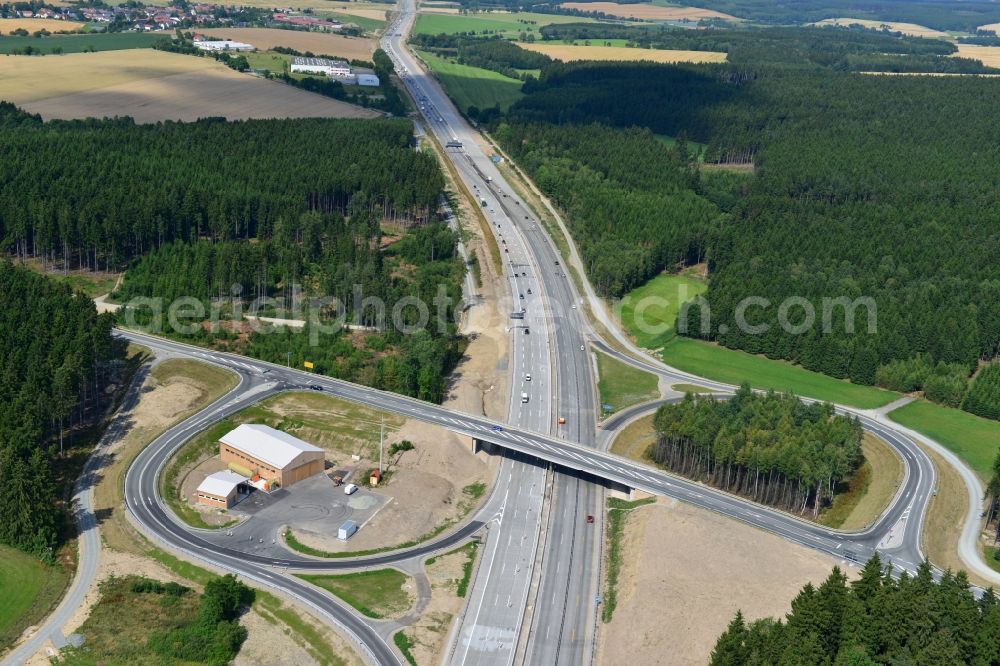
x=374, y=478
x=220, y=489
x=347, y=530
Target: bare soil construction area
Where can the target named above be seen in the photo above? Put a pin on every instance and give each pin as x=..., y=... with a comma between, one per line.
x=568, y=52
x=326, y=43
x=648, y=11
x=152, y=86
x=685, y=573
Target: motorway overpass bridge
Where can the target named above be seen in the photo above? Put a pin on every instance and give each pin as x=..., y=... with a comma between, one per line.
x=608, y=467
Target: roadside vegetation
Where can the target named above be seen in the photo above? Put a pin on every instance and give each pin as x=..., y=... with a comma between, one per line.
x=377, y=594
x=971, y=438
x=617, y=515
x=404, y=645
x=620, y=385
x=862, y=497
x=31, y=589
x=139, y=620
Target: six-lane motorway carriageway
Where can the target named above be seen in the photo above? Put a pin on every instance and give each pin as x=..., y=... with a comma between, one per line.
x=896, y=533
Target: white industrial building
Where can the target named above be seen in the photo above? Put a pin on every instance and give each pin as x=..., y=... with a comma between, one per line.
x=332, y=68
x=221, y=489
x=223, y=45
x=261, y=451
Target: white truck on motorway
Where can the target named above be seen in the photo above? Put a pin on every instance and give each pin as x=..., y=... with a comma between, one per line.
x=524, y=397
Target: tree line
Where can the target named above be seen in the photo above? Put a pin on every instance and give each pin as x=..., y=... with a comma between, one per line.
x=57, y=358
x=772, y=448
x=876, y=619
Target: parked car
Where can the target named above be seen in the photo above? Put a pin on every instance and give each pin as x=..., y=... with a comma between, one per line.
x=350, y=489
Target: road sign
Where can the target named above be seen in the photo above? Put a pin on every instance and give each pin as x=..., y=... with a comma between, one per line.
x=307, y=364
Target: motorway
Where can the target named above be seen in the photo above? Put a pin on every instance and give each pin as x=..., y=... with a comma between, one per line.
x=562, y=590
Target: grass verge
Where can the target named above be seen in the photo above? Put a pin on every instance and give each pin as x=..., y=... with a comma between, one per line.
x=622, y=386
x=618, y=511
x=376, y=594
x=404, y=645
x=121, y=623
x=972, y=438
x=869, y=491
x=30, y=590
x=304, y=633
x=462, y=584
x=735, y=367
x=945, y=517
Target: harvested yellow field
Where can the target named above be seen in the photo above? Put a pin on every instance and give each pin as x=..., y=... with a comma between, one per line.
x=649, y=12
x=911, y=29
x=300, y=40
x=567, y=53
x=992, y=27
x=26, y=79
x=152, y=86
x=8, y=26
x=989, y=55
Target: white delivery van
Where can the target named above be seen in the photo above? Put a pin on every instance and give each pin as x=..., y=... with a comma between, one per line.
x=350, y=489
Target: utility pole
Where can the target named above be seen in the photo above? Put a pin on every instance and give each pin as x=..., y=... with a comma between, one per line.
x=381, y=441
x=288, y=359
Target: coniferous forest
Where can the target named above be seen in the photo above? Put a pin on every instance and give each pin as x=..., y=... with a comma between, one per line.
x=788, y=179
x=771, y=448
x=287, y=210
x=876, y=619
x=56, y=360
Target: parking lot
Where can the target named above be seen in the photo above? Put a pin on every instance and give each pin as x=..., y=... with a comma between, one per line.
x=313, y=505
